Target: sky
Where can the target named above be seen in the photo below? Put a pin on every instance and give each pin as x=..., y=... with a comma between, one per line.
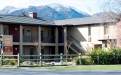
x=88, y=6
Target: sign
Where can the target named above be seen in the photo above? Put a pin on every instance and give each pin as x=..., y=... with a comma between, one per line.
x=7, y=49
x=7, y=40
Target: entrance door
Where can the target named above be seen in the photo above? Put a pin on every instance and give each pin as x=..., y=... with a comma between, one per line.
x=29, y=35
x=31, y=52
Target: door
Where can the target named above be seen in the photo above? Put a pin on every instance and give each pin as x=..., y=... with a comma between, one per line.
x=15, y=50
x=42, y=35
x=14, y=30
x=31, y=52
x=29, y=35
x=61, y=35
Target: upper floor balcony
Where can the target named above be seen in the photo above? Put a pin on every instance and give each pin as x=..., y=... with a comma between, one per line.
x=44, y=39
x=31, y=39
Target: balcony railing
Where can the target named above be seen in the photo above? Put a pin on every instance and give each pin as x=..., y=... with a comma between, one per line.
x=30, y=38
x=48, y=39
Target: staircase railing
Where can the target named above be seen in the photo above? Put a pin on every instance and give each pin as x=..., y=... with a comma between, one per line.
x=75, y=46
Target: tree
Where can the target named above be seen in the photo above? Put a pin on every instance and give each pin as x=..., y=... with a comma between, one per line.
x=67, y=45
x=114, y=6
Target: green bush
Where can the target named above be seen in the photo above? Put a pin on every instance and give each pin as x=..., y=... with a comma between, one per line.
x=9, y=62
x=76, y=60
x=86, y=60
x=111, y=56
x=13, y=62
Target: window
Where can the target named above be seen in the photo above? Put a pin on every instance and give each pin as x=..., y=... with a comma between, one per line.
x=23, y=32
x=28, y=31
x=5, y=31
x=89, y=31
x=105, y=29
x=42, y=35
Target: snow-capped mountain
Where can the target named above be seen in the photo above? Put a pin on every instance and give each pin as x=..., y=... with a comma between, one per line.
x=51, y=11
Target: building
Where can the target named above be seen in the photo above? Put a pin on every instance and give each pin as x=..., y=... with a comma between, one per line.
x=54, y=36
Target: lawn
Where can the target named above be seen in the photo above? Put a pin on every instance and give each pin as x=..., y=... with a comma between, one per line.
x=83, y=67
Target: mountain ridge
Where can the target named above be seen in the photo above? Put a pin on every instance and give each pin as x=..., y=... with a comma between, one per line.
x=50, y=11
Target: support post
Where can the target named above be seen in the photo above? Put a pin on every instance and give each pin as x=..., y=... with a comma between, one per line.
x=18, y=60
x=56, y=40
x=80, y=59
x=40, y=59
x=61, y=58
x=1, y=59
x=21, y=40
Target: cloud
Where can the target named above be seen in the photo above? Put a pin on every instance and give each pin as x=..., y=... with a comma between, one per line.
x=15, y=3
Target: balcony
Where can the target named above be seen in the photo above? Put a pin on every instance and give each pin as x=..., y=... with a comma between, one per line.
x=30, y=38
x=48, y=39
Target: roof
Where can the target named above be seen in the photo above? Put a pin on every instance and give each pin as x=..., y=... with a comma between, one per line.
x=46, y=22
x=25, y=20
x=84, y=21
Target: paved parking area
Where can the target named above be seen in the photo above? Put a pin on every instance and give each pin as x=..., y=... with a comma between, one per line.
x=48, y=72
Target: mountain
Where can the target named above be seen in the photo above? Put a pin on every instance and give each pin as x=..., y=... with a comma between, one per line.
x=104, y=14
x=50, y=11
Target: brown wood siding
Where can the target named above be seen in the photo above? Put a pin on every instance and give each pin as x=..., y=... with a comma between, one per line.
x=14, y=30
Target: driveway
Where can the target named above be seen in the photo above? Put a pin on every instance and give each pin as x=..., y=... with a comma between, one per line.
x=31, y=71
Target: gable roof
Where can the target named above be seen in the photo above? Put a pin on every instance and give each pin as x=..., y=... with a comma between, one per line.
x=84, y=21
x=25, y=20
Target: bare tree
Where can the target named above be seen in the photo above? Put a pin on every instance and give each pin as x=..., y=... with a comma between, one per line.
x=115, y=7
x=67, y=45
x=37, y=44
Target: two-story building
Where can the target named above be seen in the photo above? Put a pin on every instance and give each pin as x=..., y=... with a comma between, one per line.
x=84, y=33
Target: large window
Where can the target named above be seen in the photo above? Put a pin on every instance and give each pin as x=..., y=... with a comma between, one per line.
x=105, y=29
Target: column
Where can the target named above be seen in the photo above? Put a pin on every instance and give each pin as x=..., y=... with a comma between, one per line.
x=39, y=40
x=21, y=40
x=1, y=29
x=56, y=40
x=65, y=39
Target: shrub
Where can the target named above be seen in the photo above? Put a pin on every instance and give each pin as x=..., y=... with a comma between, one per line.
x=12, y=62
x=111, y=56
x=9, y=62
x=86, y=60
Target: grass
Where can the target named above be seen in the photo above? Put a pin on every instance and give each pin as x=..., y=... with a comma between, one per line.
x=9, y=69
x=84, y=67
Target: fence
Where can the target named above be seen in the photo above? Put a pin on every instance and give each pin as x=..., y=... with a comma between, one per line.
x=59, y=59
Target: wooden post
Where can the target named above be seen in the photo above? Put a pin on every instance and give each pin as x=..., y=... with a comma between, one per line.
x=61, y=58
x=79, y=58
x=18, y=60
x=98, y=59
x=40, y=59
x=1, y=59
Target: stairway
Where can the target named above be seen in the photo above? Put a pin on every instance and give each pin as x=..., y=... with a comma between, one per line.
x=75, y=46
